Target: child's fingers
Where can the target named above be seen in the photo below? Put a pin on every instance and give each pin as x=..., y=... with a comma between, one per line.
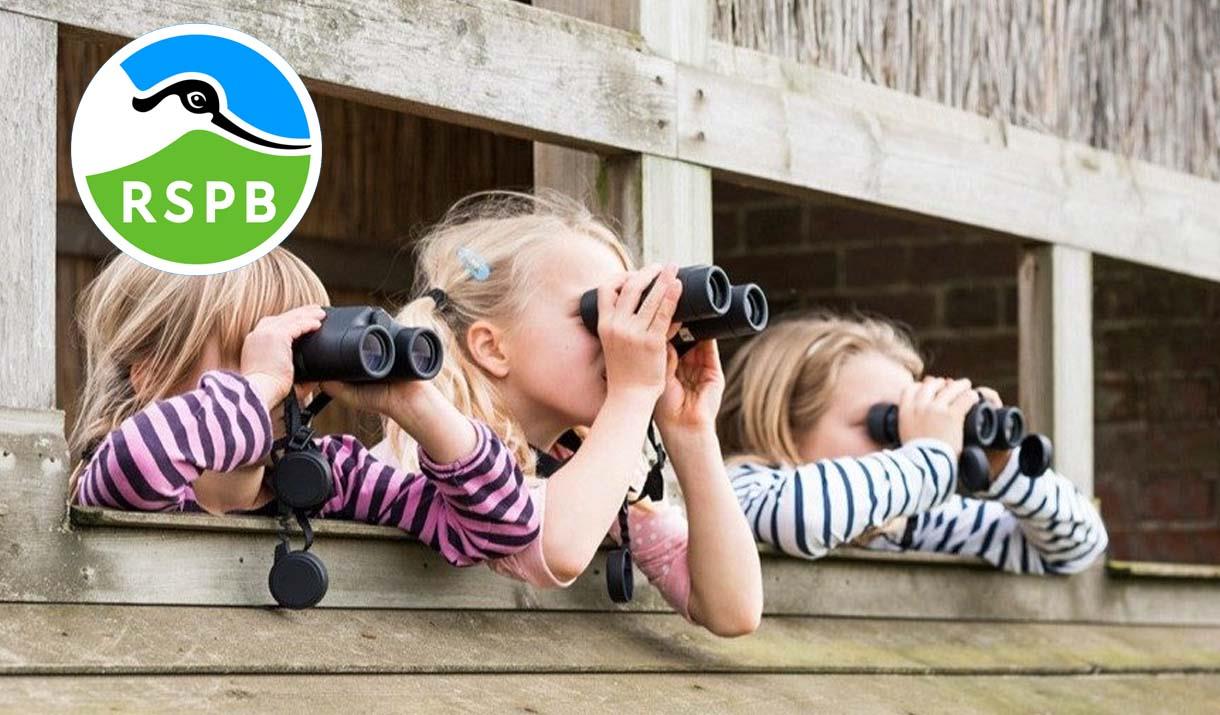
x=657, y=295
x=605, y=298
x=629, y=298
x=961, y=404
x=661, y=322
x=950, y=391
x=991, y=396
x=926, y=392
x=906, y=399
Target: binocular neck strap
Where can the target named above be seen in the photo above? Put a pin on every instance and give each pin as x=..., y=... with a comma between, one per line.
x=281, y=531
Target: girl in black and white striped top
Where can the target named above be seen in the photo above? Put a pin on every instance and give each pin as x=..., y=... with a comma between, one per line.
x=810, y=478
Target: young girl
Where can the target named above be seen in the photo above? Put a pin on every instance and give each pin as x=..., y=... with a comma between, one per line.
x=185, y=379
x=503, y=277
x=810, y=478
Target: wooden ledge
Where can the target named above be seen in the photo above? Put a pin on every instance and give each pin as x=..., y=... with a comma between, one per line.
x=1157, y=569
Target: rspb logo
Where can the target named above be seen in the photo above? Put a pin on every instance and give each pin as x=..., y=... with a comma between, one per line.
x=196, y=149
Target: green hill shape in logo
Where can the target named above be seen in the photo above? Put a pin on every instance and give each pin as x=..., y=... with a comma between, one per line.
x=199, y=157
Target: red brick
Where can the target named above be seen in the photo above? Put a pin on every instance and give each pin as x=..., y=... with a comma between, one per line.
x=1189, y=398
x=916, y=309
x=883, y=265
x=784, y=276
x=1117, y=399
x=970, y=356
x=774, y=226
x=956, y=260
x=972, y=306
x=726, y=239
x=841, y=222
x=1179, y=496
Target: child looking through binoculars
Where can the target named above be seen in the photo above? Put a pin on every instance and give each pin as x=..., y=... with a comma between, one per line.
x=185, y=385
x=811, y=475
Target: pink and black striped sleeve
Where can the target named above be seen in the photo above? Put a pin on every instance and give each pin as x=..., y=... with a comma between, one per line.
x=471, y=510
x=151, y=460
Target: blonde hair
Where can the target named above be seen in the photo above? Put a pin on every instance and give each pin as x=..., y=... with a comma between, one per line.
x=484, y=255
x=132, y=314
x=779, y=384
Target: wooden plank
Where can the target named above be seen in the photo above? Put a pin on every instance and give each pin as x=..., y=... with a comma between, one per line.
x=484, y=63
x=586, y=693
x=807, y=128
x=498, y=65
x=27, y=212
x=45, y=558
x=1055, y=359
x=146, y=640
x=1156, y=569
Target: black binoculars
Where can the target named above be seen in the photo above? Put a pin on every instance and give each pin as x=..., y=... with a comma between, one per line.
x=364, y=344
x=986, y=428
x=710, y=307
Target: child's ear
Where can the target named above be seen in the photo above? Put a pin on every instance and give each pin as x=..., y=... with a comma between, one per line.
x=486, y=345
x=137, y=375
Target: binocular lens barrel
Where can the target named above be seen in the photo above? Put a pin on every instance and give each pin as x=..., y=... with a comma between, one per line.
x=982, y=424
x=883, y=424
x=420, y=354
x=706, y=293
x=747, y=315
x=1011, y=428
x=364, y=344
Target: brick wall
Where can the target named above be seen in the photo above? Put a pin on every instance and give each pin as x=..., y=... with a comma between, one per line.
x=1157, y=365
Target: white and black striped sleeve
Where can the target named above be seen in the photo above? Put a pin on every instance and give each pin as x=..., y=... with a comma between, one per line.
x=1021, y=524
x=810, y=509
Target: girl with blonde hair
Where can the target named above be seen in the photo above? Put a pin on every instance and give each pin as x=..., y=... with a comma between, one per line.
x=810, y=478
x=500, y=280
x=185, y=379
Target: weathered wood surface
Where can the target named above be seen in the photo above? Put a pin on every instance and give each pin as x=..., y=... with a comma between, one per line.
x=1155, y=569
x=1055, y=318
x=147, y=640
x=694, y=693
x=45, y=558
x=797, y=126
x=27, y=212
x=543, y=76
x=483, y=63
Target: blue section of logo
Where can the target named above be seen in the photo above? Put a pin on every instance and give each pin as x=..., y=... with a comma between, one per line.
x=255, y=90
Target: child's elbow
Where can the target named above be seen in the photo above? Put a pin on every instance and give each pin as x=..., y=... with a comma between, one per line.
x=743, y=622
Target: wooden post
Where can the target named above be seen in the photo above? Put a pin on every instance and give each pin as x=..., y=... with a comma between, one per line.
x=27, y=213
x=662, y=207
x=1055, y=297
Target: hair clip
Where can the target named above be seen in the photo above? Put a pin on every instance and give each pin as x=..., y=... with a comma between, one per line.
x=438, y=296
x=474, y=264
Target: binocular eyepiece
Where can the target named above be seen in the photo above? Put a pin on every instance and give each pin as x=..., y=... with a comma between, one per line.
x=364, y=344
x=710, y=307
x=985, y=428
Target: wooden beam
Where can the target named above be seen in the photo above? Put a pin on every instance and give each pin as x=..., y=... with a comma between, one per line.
x=796, y=127
x=27, y=212
x=147, y=640
x=692, y=693
x=1055, y=360
x=491, y=64
x=547, y=77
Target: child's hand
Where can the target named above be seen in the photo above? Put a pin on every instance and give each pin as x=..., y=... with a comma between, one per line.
x=266, y=354
x=997, y=458
x=419, y=407
x=635, y=342
x=935, y=408
x=693, y=390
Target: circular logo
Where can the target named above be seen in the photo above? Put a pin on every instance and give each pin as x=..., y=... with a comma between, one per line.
x=196, y=149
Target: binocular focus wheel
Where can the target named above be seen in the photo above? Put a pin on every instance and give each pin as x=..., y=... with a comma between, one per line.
x=973, y=470
x=620, y=580
x=298, y=580
x=1035, y=456
x=302, y=480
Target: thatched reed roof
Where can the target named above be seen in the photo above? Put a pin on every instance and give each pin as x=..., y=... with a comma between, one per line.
x=1137, y=77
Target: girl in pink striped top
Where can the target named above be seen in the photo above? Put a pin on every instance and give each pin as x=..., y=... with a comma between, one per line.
x=185, y=380
x=503, y=278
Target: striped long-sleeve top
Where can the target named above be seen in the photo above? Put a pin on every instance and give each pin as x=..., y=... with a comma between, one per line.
x=470, y=510
x=1021, y=524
